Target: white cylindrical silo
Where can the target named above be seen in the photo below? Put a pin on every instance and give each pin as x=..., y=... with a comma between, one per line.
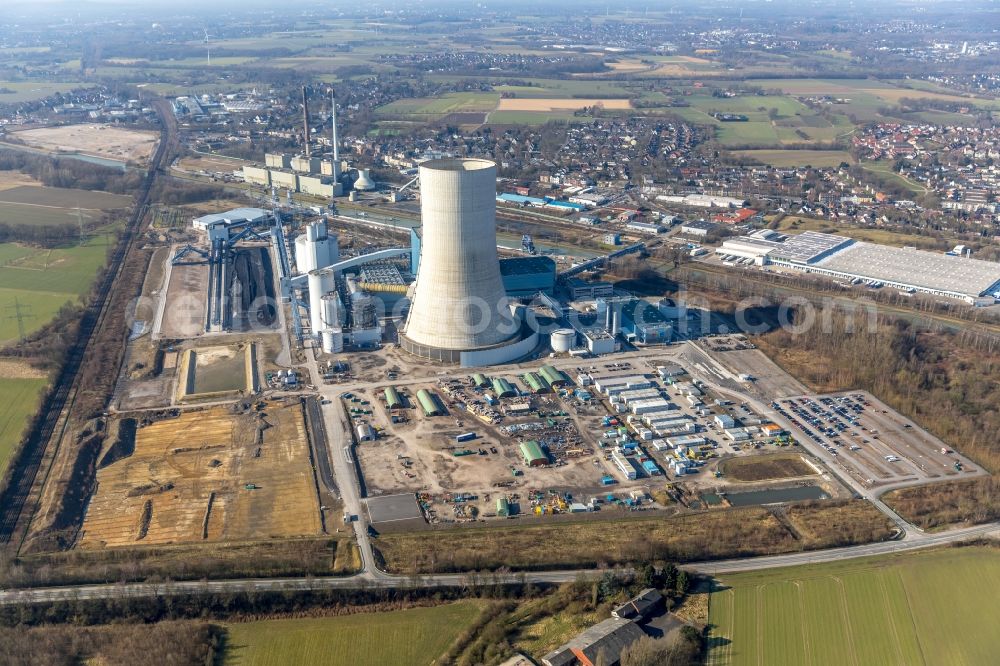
x=333, y=340
x=332, y=310
x=562, y=339
x=616, y=322
x=320, y=284
x=304, y=259
x=459, y=302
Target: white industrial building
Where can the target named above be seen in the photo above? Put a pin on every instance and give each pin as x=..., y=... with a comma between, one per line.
x=910, y=270
x=218, y=225
x=618, y=384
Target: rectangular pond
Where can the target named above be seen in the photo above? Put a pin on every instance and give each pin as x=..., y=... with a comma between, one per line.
x=777, y=495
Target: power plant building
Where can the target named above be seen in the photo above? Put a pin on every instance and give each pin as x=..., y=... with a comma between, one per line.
x=459, y=310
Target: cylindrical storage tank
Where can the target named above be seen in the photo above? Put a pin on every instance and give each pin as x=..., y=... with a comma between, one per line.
x=320, y=284
x=328, y=341
x=331, y=317
x=562, y=340
x=337, y=340
x=459, y=302
x=305, y=259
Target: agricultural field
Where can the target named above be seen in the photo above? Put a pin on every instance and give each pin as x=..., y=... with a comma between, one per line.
x=15, y=92
x=433, y=108
x=18, y=402
x=412, y=636
x=766, y=467
x=24, y=200
x=901, y=609
x=548, y=105
x=796, y=158
x=44, y=280
x=530, y=117
x=771, y=120
x=206, y=475
x=94, y=139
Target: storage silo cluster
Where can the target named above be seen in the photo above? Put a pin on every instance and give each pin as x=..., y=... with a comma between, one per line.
x=459, y=309
x=316, y=248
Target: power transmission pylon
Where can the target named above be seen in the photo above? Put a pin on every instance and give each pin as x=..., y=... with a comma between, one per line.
x=21, y=312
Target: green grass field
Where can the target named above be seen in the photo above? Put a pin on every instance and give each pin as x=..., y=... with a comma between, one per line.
x=416, y=636
x=18, y=401
x=29, y=91
x=532, y=117
x=29, y=204
x=791, y=158
x=45, y=280
x=431, y=108
x=937, y=608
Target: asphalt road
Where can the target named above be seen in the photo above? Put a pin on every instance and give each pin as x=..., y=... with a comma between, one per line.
x=374, y=579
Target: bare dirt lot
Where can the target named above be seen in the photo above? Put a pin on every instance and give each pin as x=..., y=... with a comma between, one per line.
x=207, y=475
x=94, y=139
x=517, y=104
x=766, y=467
x=184, y=309
x=209, y=164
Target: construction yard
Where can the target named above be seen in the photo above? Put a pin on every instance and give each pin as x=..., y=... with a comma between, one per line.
x=474, y=446
x=218, y=474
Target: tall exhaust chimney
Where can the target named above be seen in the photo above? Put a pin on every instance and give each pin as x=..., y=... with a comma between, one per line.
x=305, y=119
x=336, y=148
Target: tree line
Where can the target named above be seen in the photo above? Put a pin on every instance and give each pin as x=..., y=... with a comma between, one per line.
x=71, y=173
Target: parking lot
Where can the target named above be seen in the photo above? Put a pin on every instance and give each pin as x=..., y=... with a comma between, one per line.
x=873, y=443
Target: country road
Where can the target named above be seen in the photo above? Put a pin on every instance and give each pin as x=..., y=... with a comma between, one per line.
x=374, y=579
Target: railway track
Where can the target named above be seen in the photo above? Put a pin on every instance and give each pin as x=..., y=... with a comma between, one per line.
x=59, y=403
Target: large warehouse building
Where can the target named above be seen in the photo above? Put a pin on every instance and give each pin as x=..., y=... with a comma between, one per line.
x=974, y=281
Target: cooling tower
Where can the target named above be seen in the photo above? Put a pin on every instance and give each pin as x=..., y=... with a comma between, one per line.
x=458, y=303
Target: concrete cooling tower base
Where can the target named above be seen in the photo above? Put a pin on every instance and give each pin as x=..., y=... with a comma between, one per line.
x=504, y=352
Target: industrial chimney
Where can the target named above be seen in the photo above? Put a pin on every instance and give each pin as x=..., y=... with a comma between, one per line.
x=305, y=119
x=459, y=303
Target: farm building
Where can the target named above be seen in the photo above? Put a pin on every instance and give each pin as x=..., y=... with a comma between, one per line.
x=603, y=643
x=640, y=607
x=533, y=454
x=429, y=403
